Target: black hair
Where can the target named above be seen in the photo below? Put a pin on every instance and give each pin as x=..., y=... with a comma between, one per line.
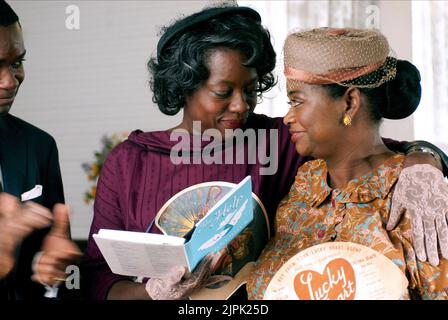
x=181, y=67
x=396, y=99
x=7, y=15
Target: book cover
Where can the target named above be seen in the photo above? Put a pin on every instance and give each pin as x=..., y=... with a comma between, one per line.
x=227, y=219
x=179, y=214
x=153, y=255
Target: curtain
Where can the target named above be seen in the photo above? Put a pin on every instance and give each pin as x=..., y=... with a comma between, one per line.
x=430, y=54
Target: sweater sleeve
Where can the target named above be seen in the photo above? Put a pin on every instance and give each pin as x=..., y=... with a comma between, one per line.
x=97, y=277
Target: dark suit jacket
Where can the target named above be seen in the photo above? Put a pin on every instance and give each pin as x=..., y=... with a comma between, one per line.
x=28, y=157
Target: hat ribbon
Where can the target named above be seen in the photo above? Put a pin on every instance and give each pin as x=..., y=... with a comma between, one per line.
x=340, y=75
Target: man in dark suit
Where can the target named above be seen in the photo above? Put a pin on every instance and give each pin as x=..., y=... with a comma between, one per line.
x=29, y=163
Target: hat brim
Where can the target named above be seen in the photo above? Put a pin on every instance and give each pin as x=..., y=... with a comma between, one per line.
x=199, y=17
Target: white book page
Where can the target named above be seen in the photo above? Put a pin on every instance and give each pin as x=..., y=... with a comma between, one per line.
x=142, y=237
x=139, y=258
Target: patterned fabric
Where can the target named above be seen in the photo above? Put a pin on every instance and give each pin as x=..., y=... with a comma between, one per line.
x=313, y=213
x=423, y=191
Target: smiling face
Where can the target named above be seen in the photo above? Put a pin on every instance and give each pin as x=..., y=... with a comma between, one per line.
x=226, y=98
x=12, y=52
x=314, y=120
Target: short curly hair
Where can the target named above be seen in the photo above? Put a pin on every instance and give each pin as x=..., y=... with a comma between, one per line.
x=181, y=67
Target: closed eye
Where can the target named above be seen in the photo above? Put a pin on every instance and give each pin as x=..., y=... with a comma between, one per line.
x=222, y=94
x=295, y=103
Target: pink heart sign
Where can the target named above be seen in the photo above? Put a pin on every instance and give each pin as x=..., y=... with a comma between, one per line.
x=337, y=282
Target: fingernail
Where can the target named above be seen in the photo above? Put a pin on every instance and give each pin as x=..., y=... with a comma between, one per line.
x=421, y=257
x=434, y=262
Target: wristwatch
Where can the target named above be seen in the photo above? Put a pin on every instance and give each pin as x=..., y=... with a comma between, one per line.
x=426, y=147
x=418, y=148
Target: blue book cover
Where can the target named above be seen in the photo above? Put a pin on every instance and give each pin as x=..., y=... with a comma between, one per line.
x=201, y=219
x=222, y=223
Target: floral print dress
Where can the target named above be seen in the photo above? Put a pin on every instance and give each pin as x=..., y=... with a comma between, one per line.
x=313, y=213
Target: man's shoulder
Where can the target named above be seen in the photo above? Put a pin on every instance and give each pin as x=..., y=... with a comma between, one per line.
x=30, y=130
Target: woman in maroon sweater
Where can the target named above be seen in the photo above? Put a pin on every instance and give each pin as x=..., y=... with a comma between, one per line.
x=214, y=65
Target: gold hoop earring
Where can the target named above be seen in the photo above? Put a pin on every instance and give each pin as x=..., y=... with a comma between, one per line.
x=347, y=120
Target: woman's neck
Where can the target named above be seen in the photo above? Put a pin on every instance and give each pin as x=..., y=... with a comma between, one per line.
x=355, y=159
x=184, y=125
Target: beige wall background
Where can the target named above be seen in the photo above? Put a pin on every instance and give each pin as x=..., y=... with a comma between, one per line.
x=82, y=84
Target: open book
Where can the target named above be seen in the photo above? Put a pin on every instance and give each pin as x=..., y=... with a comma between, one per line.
x=153, y=255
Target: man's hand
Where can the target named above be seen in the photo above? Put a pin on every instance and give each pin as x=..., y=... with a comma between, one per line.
x=17, y=221
x=58, y=251
x=422, y=192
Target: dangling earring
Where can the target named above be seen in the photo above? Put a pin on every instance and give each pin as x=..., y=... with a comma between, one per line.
x=347, y=120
